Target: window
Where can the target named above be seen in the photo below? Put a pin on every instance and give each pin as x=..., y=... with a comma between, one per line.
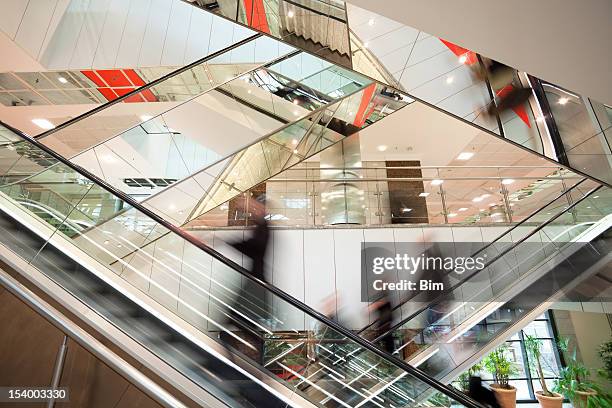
x=526, y=384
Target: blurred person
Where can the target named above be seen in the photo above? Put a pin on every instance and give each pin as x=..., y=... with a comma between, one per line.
x=250, y=311
x=509, y=94
x=383, y=318
x=481, y=394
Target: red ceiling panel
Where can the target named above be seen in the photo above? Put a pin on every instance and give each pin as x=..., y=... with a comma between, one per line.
x=134, y=77
x=93, y=77
x=108, y=93
x=114, y=77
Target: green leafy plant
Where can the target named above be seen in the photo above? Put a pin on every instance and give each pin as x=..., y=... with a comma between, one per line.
x=439, y=400
x=575, y=377
x=500, y=367
x=464, y=378
x=605, y=352
x=534, y=351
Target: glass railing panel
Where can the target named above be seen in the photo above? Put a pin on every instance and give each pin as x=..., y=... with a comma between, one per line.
x=211, y=297
x=441, y=323
x=466, y=196
x=583, y=126
x=89, y=63
x=456, y=346
x=297, y=142
x=163, y=96
x=169, y=147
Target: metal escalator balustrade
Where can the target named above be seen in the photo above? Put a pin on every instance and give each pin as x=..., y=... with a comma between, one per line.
x=197, y=300
x=76, y=336
x=519, y=279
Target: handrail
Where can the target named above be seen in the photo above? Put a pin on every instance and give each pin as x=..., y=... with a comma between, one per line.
x=524, y=221
x=415, y=98
x=90, y=343
x=495, y=258
x=419, y=374
x=144, y=87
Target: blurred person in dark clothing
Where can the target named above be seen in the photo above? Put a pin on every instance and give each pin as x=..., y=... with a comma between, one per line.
x=250, y=311
x=383, y=317
x=509, y=92
x=481, y=393
x=255, y=247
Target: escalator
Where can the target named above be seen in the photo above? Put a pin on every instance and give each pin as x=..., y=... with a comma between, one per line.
x=199, y=313
x=520, y=281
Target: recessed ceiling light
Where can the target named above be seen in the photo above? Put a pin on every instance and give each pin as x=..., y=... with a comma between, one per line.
x=43, y=124
x=290, y=14
x=294, y=141
x=62, y=80
x=145, y=118
x=449, y=80
x=295, y=151
x=507, y=181
x=463, y=59
x=465, y=156
x=462, y=209
x=249, y=91
x=381, y=148
x=563, y=100
x=436, y=182
x=366, y=44
x=477, y=199
x=423, y=194
x=371, y=22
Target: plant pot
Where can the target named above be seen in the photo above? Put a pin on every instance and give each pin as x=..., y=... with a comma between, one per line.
x=505, y=396
x=582, y=397
x=549, y=402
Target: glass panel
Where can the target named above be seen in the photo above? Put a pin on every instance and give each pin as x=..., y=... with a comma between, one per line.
x=164, y=96
x=209, y=298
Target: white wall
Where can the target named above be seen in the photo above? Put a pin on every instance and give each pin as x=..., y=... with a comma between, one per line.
x=563, y=41
x=77, y=34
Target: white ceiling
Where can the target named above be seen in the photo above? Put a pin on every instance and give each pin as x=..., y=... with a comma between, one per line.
x=563, y=41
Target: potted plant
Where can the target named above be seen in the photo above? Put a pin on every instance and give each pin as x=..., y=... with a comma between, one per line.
x=573, y=382
x=546, y=398
x=501, y=368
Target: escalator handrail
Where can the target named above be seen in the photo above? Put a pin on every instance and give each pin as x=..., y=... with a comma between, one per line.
x=495, y=258
x=542, y=208
x=415, y=372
